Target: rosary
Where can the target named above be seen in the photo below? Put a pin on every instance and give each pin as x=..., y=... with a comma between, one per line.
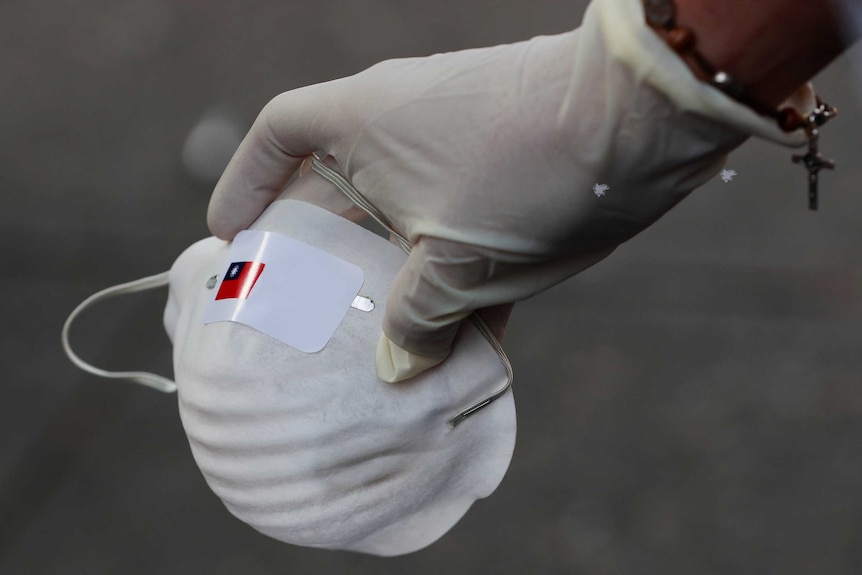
x=661, y=16
x=814, y=160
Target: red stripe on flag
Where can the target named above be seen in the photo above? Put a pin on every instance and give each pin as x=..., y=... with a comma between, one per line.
x=240, y=286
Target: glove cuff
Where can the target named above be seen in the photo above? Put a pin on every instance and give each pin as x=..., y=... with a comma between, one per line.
x=631, y=41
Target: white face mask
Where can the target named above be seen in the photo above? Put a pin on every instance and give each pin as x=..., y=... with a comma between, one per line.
x=310, y=447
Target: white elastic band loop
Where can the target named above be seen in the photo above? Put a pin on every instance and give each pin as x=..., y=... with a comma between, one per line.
x=149, y=379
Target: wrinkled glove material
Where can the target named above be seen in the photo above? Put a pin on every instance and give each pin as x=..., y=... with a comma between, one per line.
x=486, y=160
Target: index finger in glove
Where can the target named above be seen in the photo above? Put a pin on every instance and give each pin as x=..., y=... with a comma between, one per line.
x=292, y=126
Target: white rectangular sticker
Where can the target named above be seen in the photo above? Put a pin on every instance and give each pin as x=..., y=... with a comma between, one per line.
x=285, y=289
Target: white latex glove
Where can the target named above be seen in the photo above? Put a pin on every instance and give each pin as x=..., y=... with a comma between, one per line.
x=486, y=160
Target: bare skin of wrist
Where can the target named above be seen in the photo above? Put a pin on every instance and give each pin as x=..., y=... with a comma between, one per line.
x=771, y=47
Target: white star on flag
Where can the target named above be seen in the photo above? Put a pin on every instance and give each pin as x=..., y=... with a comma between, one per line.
x=599, y=189
x=234, y=270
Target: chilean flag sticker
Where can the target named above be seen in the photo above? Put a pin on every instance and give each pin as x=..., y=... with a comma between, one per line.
x=284, y=288
x=239, y=280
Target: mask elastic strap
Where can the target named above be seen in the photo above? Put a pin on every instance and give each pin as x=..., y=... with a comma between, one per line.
x=149, y=379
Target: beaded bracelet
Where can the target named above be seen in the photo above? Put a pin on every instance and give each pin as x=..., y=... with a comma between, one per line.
x=661, y=17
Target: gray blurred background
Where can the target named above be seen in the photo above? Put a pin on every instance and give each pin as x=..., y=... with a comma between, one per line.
x=690, y=405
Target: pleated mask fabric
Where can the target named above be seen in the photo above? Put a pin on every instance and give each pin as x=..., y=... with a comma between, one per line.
x=312, y=448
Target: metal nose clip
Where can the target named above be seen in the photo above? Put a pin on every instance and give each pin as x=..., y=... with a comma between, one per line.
x=362, y=303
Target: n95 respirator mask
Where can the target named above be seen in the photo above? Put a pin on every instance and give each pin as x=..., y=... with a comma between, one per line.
x=274, y=338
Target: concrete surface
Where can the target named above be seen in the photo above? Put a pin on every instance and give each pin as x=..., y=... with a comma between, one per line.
x=690, y=405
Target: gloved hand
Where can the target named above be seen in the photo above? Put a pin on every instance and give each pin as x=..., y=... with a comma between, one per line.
x=509, y=168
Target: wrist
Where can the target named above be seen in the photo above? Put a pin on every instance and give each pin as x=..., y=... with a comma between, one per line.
x=771, y=47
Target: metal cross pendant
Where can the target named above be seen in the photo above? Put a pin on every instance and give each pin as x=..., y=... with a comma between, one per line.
x=814, y=160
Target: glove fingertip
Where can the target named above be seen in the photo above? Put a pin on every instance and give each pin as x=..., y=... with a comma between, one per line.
x=395, y=364
x=221, y=228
